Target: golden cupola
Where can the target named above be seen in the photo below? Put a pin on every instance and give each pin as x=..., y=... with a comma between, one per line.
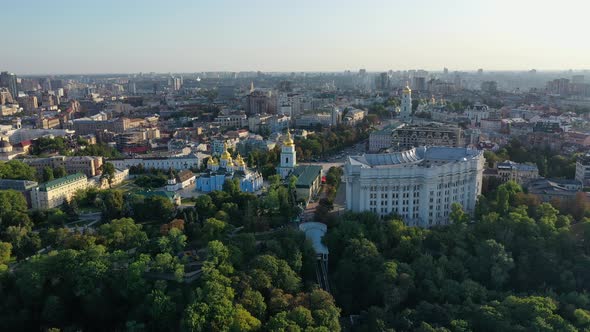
x=240, y=161
x=288, y=140
x=225, y=155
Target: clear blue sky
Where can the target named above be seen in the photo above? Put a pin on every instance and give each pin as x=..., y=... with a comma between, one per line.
x=67, y=36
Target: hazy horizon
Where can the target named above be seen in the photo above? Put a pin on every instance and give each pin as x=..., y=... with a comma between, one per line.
x=67, y=37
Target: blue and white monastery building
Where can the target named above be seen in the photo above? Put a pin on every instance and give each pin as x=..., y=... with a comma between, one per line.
x=226, y=169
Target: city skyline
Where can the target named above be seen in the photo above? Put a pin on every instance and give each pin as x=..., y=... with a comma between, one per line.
x=331, y=36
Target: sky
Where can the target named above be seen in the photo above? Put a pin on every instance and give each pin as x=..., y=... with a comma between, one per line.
x=130, y=36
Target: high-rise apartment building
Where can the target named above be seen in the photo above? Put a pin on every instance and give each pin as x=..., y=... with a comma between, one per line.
x=8, y=80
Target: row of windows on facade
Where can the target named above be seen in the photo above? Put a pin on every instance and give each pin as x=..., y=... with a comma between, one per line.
x=415, y=207
x=446, y=200
x=415, y=215
x=416, y=194
x=417, y=186
x=416, y=138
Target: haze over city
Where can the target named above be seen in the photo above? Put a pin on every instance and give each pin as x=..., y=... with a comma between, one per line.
x=64, y=36
x=317, y=166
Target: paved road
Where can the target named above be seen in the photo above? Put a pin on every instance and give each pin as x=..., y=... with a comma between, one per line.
x=340, y=200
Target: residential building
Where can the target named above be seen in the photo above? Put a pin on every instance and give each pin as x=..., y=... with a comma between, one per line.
x=261, y=101
x=353, y=117
x=419, y=184
x=120, y=176
x=177, y=163
x=519, y=173
x=432, y=134
x=381, y=139
x=10, y=109
x=88, y=165
x=9, y=80
x=85, y=126
x=312, y=120
x=489, y=86
x=583, y=170
x=54, y=193
x=554, y=189
x=477, y=112
x=231, y=121
x=6, y=97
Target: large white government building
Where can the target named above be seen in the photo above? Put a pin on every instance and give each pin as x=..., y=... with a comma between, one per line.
x=418, y=184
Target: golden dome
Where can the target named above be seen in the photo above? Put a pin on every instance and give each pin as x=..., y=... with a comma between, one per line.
x=407, y=90
x=288, y=141
x=213, y=161
x=225, y=155
x=239, y=161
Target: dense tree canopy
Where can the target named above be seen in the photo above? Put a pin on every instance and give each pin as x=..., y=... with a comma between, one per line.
x=17, y=170
x=514, y=269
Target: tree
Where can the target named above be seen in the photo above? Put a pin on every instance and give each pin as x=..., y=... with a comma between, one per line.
x=60, y=172
x=5, y=251
x=161, y=208
x=231, y=186
x=123, y=234
x=47, y=174
x=173, y=242
x=108, y=172
x=244, y=321
x=213, y=229
x=16, y=170
x=161, y=307
x=112, y=204
x=457, y=216
x=493, y=263
x=301, y=316
x=13, y=209
x=253, y=302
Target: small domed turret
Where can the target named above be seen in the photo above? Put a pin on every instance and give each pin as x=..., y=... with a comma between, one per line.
x=239, y=161
x=288, y=140
x=225, y=155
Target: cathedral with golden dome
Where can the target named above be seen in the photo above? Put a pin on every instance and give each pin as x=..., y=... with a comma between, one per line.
x=227, y=168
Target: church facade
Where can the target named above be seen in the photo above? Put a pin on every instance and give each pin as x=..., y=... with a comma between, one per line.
x=309, y=177
x=226, y=169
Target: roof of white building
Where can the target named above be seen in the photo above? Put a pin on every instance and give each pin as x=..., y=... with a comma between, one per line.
x=414, y=156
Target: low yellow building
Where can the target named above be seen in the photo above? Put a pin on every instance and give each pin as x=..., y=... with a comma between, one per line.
x=54, y=193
